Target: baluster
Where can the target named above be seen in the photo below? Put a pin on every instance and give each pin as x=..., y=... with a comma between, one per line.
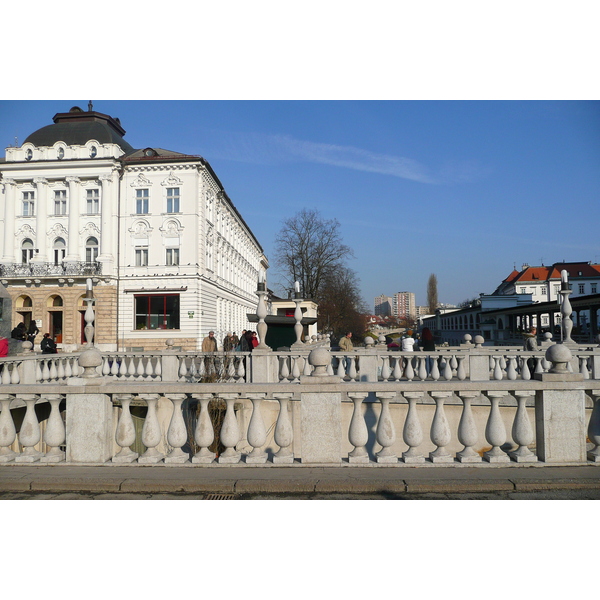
x=15, y=378
x=149, y=368
x=448, y=370
x=594, y=428
x=204, y=434
x=284, y=432
x=106, y=364
x=397, y=372
x=60, y=371
x=8, y=433
x=29, y=435
x=54, y=436
x=201, y=372
x=341, y=372
x=114, y=366
x=497, y=369
x=461, y=373
x=177, y=431
x=139, y=372
x=358, y=434
x=453, y=365
x=285, y=372
x=53, y=370
x=183, y=370
x=385, y=432
x=522, y=432
x=467, y=430
x=46, y=371
x=131, y=370
x=435, y=369
x=68, y=369
x=307, y=369
x=330, y=371
x=295, y=369
x=511, y=372
x=539, y=367
x=158, y=368
x=151, y=434
x=241, y=370
x=440, y=430
x=408, y=369
x=352, y=368
x=38, y=371
x=525, y=372
x=583, y=370
x=412, y=434
x=545, y=365
x=495, y=432
x=422, y=367
x=385, y=368
x=257, y=434
x=125, y=434
x=121, y=366
x=230, y=432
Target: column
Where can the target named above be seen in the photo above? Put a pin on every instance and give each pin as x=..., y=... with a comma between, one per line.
x=106, y=205
x=73, y=254
x=41, y=218
x=8, y=252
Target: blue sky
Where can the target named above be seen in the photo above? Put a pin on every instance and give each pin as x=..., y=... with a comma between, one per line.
x=462, y=189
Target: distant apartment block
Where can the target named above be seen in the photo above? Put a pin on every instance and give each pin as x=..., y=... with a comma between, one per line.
x=404, y=305
x=383, y=306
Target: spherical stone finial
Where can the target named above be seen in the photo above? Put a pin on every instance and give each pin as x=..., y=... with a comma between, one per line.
x=467, y=337
x=27, y=346
x=479, y=340
x=319, y=358
x=169, y=344
x=547, y=336
x=560, y=356
x=90, y=359
x=381, y=340
x=369, y=341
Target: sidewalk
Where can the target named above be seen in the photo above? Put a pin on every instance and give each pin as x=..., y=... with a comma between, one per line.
x=245, y=481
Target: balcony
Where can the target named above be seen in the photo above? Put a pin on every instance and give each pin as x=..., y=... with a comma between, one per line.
x=48, y=269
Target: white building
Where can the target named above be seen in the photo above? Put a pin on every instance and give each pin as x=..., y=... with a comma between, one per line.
x=168, y=253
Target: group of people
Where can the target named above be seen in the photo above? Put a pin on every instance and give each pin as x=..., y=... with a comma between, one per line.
x=231, y=343
x=23, y=334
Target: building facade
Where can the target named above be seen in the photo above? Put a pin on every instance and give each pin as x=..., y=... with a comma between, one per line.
x=153, y=231
x=404, y=305
x=383, y=306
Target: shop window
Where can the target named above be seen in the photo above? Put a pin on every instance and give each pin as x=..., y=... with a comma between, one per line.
x=156, y=311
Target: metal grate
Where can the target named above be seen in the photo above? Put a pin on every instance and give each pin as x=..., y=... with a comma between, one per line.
x=219, y=497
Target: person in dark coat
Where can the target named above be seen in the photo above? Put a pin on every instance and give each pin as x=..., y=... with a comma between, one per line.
x=32, y=331
x=19, y=333
x=48, y=346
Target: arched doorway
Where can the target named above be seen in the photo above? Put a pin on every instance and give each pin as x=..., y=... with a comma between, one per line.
x=55, y=318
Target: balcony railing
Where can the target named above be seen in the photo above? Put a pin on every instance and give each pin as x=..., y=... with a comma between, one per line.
x=46, y=269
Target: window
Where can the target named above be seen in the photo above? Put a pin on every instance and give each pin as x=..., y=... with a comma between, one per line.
x=61, y=153
x=157, y=312
x=141, y=257
x=91, y=250
x=582, y=288
x=28, y=204
x=93, y=152
x=172, y=256
x=28, y=154
x=172, y=200
x=60, y=202
x=544, y=291
x=93, y=201
x=59, y=248
x=594, y=288
x=141, y=201
x=26, y=251
x=523, y=290
x=556, y=289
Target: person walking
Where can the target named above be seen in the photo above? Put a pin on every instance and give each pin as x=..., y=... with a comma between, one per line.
x=530, y=340
x=209, y=343
x=346, y=345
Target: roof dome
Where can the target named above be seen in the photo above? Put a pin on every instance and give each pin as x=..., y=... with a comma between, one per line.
x=77, y=127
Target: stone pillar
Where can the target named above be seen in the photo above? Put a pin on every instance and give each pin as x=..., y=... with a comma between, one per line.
x=368, y=362
x=89, y=428
x=479, y=362
x=41, y=219
x=8, y=251
x=560, y=414
x=321, y=426
x=73, y=254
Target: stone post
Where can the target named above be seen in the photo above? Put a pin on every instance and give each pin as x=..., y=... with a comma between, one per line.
x=321, y=414
x=368, y=361
x=479, y=362
x=560, y=414
x=169, y=363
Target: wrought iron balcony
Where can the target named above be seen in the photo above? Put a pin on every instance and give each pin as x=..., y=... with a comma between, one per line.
x=37, y=269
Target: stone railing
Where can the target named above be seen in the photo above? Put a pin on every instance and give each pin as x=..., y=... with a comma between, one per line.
x=46, y=269
x=87, y=417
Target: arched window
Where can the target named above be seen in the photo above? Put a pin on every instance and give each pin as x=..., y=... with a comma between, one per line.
x=59, y=248
x=91, y=250
x=26, y=251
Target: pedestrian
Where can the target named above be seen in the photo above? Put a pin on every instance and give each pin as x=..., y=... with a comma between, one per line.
x=32, y=331
x=228, y=343
x=254, y=339
x=408, y=342
x=530, y=340
x=428, y=345
x=48, y=345
x=247, y=345
x=19, y=333
x=209, y=343
x=347, y=346
x=3, y=346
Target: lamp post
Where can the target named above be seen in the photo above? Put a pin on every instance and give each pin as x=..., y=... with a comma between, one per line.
x=565, y=308
x=261, y=311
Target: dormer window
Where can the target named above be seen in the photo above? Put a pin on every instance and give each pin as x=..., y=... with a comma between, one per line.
x=93, y=152
x=28, y=154
x=150, y=152
x=61, y=153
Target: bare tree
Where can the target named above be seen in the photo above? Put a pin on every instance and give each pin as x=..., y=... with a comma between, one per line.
x=432, y=293
x=308, y=249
